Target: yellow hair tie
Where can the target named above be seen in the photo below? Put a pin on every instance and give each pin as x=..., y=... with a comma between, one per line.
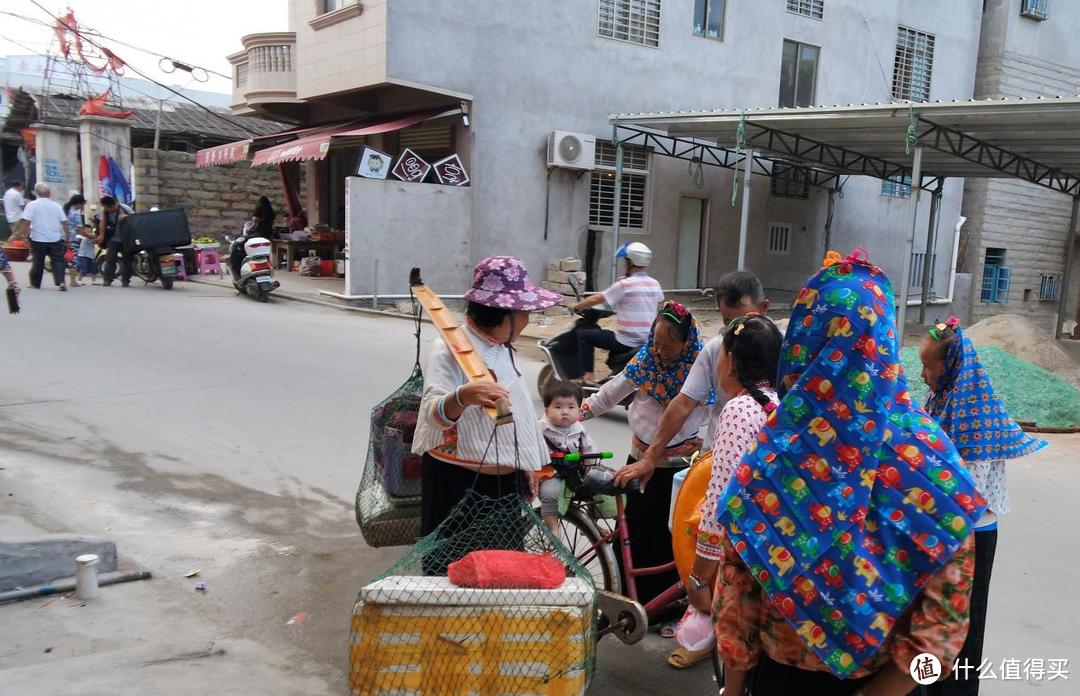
x=831, y=259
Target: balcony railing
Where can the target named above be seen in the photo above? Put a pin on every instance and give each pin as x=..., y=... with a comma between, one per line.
x=264, y=73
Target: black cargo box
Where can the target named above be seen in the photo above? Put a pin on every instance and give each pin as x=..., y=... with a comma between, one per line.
x=160, y=228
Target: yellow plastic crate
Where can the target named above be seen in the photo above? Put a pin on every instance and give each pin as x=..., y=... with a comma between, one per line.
x=422, y=636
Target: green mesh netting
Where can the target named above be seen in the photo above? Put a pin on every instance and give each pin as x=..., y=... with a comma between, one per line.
x=388, y=499
x=414, y=632
x=1029, y=392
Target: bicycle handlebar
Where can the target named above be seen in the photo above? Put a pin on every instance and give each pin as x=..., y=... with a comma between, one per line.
x=577, y=456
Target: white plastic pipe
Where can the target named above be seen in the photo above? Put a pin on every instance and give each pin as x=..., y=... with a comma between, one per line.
x=86, y=580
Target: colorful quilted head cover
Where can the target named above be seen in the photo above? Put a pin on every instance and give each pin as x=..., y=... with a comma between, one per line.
x=663, y=381
x=970, y=412
x=852, y=498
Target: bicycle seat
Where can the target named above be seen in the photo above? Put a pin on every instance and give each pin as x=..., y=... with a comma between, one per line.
x=600, y=480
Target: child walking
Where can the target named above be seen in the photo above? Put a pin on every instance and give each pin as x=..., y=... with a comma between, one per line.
x=73, y=209
x=965, y=405
x=564, y=433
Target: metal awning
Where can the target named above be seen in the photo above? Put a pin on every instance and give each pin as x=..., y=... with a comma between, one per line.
x=1034, y=140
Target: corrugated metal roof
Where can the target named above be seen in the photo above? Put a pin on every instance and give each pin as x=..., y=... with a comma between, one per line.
x=1036, y=139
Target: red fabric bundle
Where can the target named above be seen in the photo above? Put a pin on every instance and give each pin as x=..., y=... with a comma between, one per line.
x=507, y=570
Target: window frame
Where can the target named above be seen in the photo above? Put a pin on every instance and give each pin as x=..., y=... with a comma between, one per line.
x=786, y=177
x=799, y=46
x=1053, y=280
x=771, y=248
x=1039, y=10
x=896, y=187
x=707, y=4
x=997, y=277
x=806, y=8
x=629, y=31
x=637, y=161
x=905, y=60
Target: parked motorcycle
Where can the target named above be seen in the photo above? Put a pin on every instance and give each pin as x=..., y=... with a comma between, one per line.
x=150, y=241
x=561, y=350
x=249, y=262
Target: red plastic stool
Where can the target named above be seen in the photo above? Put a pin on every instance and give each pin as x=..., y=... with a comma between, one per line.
x=209, y=262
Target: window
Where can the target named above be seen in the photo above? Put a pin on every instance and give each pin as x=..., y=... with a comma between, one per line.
x=636, y=21
x=1035, y=9
x=918, y=265
x=634, y=187
x=779, y=238
x=897, y=187
x=913, y=66
x=997, y=277
x=241, y=74
x=333, y=5
x=709, y=19
x=798, y=72
x=1049, y=287
x=789, y=181
x=807, y=8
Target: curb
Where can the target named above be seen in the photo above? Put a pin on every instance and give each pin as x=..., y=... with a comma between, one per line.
x=1030, y=427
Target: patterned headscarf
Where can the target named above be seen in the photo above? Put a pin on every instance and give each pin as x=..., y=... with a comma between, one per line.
x=970, y=412
x=646, y=370
x=851, y=499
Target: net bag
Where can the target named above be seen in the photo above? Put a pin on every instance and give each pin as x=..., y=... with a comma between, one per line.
x=416, y=632
x=388, y=500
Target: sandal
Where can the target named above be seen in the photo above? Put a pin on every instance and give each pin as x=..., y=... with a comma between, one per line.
x=681, y=658
x=667, y=630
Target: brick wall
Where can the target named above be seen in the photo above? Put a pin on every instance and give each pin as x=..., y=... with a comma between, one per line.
x=217, y=199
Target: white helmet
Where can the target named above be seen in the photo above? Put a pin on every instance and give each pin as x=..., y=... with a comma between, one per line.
x=636, y=252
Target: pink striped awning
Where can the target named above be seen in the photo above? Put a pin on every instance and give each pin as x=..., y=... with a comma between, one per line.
x=223, y=154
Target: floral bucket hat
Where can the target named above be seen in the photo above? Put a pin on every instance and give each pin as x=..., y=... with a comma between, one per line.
x=503, y=281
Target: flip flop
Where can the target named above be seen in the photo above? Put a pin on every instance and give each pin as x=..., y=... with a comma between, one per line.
x=681, y=658
x=667, y=630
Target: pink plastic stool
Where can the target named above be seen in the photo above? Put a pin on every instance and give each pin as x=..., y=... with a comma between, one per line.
x=209, y=262
x=181, y=272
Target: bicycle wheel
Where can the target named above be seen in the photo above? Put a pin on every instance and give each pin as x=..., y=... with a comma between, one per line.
x=580, y=536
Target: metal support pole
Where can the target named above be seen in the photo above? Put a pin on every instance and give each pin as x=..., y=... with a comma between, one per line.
x=827, y=241
x=1063, y=296
x=375, y=285
x=744, y=220
x=616, y=213
x=157, y=125
x=909, y=246
x=931, y=243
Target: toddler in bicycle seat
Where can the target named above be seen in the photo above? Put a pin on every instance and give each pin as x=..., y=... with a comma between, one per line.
x=564, y=434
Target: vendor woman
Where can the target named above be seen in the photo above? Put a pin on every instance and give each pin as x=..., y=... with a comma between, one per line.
x=657, y=374
x=462, y=448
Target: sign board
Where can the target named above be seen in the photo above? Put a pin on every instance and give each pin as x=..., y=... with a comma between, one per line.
x=451, y=171
x=411, y=167
x=51, y=171
x=374, y=164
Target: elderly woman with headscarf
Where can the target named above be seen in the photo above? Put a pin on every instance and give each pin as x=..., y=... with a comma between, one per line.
x=963, y=402
x=848, y=551
x=656, y=374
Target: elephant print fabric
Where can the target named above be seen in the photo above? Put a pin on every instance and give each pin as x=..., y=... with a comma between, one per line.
x=878, y=495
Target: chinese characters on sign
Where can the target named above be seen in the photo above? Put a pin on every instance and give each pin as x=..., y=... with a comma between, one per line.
x=374, y=164
x=925, y=669
x=451, y=171
x=1032, y=669
x=411, y=167
x=51, y=171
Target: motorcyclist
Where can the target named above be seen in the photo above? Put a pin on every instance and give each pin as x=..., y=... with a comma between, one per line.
x=634, y=297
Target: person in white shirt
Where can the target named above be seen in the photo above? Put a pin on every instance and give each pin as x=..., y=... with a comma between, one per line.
x=13, y=207
x=48, y=236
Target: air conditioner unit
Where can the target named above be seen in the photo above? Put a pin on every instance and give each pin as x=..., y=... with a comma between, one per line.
x=571, y=150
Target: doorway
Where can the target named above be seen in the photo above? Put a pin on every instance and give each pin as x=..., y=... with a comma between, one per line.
x=693, y=235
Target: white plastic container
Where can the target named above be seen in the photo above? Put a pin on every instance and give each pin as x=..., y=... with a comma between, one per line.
x=86, y=580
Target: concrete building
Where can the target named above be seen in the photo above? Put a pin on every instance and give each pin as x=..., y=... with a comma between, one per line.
x=1014, y=241
x=522, y=70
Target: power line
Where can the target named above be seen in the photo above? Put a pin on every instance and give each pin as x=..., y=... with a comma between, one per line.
x=92, y=42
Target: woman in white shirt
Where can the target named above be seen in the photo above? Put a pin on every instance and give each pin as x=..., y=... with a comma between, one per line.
x=462, y=448
x=657, y=374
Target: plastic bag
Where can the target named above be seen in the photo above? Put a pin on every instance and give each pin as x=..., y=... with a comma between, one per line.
x=309, y=266
x=507, y=570
x=695, y=631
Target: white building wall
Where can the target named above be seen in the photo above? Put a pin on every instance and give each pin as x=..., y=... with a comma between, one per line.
x=534, y=67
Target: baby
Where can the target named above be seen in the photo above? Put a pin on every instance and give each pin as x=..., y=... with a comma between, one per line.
x=564, y=433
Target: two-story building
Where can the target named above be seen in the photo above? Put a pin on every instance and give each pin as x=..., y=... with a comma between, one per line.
x=490, y=82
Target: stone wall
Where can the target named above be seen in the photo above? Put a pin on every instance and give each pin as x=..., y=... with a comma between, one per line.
x=217, y=199
x=558, y=279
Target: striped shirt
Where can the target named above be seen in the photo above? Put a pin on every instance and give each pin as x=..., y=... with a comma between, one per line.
x=634, y=299
x=473, y=442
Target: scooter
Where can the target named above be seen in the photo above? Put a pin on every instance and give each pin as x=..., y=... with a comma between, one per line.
x=562, y=350
x=249, y=261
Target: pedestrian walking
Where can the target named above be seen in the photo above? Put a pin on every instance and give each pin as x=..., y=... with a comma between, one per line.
x=112, y=213
x=73, y=210
x=49, y=236
x=847, y=544
x=13, y=208
x=963, y=402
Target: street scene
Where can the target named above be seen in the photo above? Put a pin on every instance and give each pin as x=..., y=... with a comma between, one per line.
x=382, y=348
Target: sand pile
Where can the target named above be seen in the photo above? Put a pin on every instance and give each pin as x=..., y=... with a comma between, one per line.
x=1020, y=337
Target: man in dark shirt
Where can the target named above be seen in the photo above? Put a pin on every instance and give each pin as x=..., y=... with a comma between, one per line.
x=112, y=212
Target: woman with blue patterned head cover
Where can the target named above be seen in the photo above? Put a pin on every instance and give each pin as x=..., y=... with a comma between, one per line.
x=964, y=403
x=848, y=549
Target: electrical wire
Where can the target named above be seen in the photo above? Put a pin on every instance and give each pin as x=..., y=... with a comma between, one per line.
x=205, y=108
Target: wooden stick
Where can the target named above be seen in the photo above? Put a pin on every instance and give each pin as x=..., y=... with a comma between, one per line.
x=460, y=345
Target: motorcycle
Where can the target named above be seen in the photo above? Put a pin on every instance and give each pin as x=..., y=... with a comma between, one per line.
x=148, y=265
x=561, y=351
x=249, y=262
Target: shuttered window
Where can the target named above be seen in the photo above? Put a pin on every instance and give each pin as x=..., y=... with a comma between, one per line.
x=635, y=21
x=635, y=181
x=807, y=8
x=914, y=65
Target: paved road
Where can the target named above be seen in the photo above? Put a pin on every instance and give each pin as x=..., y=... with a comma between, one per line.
x=202, y=430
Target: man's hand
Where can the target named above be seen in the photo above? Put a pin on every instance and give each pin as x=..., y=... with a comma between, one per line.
x=642, y=470
x=482, y=394
x=533, y=485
